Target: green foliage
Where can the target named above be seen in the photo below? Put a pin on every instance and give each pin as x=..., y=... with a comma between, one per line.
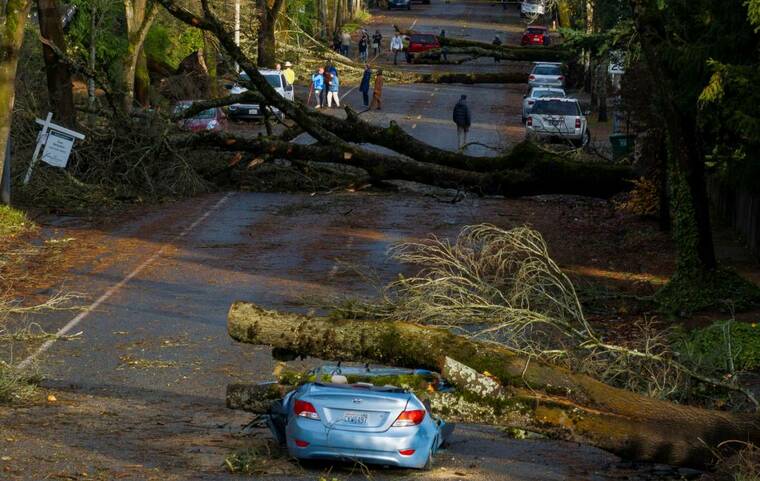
x=110, y=34
x=253, y=460
x=690, y=291
x=169, y=42
x=12, y=222
x=723, y=347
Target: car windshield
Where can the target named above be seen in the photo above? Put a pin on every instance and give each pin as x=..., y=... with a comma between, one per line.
x=422, y=39
x=536, y=31
x=556, y=107
x=547, y=70
x=547, y=93
x=206, y=114
x=275, y=80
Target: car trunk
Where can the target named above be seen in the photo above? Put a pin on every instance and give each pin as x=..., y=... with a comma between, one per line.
x=357, y=407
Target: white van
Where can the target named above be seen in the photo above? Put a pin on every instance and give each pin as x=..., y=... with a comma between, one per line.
x=532, y=8
x=253, y=111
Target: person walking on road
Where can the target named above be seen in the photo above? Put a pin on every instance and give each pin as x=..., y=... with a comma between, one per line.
x=318, y=85
x=290, y=75
x=377, y=42
x=364, y=85
x=497, y=43
x=377, y=94
x=397, y=45
x=333, y=93
x=462, y=118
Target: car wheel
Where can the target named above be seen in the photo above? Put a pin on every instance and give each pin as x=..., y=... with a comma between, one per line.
x=429, y=463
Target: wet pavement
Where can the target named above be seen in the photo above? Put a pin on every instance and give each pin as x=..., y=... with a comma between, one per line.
x=140, y=387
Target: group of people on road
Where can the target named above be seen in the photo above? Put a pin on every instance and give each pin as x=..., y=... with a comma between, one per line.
x=325, y=85
x=342, y=43
x=288, y=72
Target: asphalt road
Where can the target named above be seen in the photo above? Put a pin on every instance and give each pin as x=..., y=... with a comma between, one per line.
x=140, y=386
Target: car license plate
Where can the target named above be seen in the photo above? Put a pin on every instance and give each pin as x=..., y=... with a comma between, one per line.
x=253, y=111
x=355, y=418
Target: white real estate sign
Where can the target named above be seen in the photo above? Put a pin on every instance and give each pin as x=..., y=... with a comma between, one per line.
x=57, y=141
x=57, y=149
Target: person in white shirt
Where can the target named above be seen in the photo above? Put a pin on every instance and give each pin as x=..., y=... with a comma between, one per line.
x=397, y=45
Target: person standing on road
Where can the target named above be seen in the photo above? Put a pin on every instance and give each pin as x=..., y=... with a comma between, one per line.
x=462, y=118
x=290, y=75
x=336, y=41
x=364, y=85
x=363, y=47
x=345, y=43
x=318, y=85
x=328, y=75
x=377, y=94
x=397, y=45
x=334, y=91
x=496, y=43
x=377, y=42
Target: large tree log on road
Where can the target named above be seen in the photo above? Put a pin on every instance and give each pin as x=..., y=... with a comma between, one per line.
x=574, y=405
x=507, y=52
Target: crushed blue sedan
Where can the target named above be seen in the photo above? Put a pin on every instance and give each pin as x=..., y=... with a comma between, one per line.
x=337, y=417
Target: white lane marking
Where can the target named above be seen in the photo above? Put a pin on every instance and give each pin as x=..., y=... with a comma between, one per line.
x=344, y=95
x=115, y=288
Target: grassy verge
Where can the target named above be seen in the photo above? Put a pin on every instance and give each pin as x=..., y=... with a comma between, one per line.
x=12, y=222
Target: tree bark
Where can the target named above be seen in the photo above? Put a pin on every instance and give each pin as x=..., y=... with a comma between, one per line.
x=267, y=56
x=530, y=393
x=139, y=17
x=11, y=37
x=58, y=74
x=505, y=52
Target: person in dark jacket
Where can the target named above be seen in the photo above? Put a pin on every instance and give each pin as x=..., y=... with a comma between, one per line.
x=377, y=42
x=364, y=85
x=496, y=43
x=462, y=118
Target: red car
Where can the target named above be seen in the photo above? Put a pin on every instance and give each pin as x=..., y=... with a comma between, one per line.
x=535, y=35
x=421, y=42
x=212, y=119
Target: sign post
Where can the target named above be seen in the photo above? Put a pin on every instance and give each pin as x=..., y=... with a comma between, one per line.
x=57, y=141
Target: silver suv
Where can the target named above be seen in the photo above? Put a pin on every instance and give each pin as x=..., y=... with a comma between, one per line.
x=557, y=119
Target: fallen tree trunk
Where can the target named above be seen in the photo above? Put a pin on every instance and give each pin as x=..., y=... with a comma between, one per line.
x=473, y=78
x=529, y=173
x=507, y=52
x=545, y=397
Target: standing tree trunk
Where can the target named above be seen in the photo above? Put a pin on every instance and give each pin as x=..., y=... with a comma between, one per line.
x=602, y=91
x=267, y=55
x=322, y=19
x=58, y=73
x=11, y=38
x=139, y=15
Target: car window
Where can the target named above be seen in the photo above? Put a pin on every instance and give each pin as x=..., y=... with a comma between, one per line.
x=547, y=70
x=556, y=107
x=547, y=93
x=206, y=114
x=422, y=38
x=275, y=80
x=536, y=31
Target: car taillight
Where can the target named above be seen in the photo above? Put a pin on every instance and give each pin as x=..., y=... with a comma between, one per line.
x=561, y=77
x=305, y=410
x=406, y=452
x=530, y=102
x=578, y=123
x=530, y=122
x=409, y=418
x=532, y=77
x=301, y=444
